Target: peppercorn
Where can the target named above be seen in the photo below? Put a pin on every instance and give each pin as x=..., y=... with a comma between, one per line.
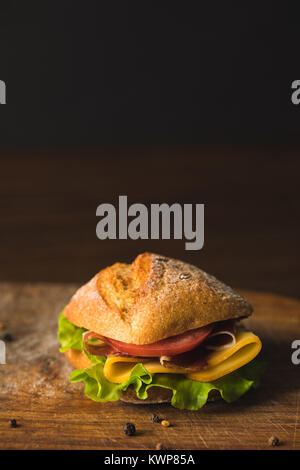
x=273, y=441
x=155, y=418
x=13, y=423
x=165, y=423
x=8, y=337
x=129, y=429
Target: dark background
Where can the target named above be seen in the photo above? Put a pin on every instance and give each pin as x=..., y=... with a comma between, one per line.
x=162, y=101
x=154, y=72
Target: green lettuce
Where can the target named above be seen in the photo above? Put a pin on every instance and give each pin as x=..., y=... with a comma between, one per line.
x=69, y=335
x=187, y=394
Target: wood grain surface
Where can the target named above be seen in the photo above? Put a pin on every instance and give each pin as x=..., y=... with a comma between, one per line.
x=54, y=414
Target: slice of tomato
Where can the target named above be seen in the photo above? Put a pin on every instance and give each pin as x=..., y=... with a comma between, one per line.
x=166, y=347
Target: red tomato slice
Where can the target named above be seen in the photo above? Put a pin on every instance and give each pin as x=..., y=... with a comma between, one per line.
x=166, y=347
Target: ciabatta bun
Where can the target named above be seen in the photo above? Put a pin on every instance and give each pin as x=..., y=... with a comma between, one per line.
x=153, y=298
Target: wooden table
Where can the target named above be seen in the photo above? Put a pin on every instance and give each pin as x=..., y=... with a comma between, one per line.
x=54, y=414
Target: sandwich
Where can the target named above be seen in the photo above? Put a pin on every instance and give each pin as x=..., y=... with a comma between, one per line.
x=159, y=331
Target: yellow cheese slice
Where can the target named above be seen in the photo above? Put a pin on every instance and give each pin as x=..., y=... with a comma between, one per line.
x=117, y=369
x=221, y=363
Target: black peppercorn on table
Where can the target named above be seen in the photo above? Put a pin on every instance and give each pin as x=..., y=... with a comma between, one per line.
x=50, y=412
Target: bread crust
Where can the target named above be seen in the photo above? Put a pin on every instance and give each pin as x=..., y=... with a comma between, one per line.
x=153, y=298
x=155, y=395
x=159, y=395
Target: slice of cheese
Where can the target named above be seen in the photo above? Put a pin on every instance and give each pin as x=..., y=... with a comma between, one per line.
x=219, y=363
x=118, y=369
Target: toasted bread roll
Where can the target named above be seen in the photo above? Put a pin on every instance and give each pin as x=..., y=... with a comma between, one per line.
x=155, y=395
x=153, y=298
x=159, y=395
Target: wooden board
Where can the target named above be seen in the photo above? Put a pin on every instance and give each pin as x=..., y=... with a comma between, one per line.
x=52, y=413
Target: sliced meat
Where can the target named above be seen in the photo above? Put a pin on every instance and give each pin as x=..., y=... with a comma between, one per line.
x=97, y=347
x=188, y=351
x=189, y=361
x=222, y=337
x=171, y=346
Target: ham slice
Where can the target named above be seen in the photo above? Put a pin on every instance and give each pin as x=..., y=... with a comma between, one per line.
x=189, y=361
x=98, y=347
x=170, y=346
x=222, y=336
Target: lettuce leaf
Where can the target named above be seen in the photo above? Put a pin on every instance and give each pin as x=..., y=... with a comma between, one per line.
x=69, y=335
x=98, y=388
x=187, y=394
